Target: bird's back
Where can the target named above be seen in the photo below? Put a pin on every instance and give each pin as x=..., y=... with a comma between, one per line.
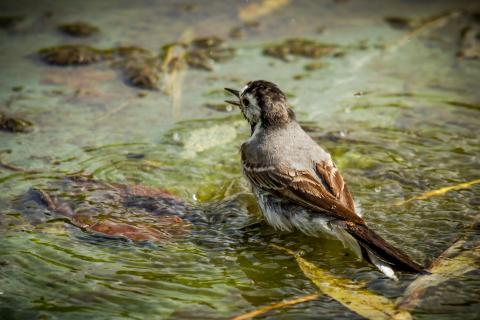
x=293, y=148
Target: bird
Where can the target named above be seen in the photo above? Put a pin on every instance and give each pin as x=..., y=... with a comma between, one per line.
x=298, y=186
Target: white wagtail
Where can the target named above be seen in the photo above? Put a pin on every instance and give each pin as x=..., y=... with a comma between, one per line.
x=296, y=183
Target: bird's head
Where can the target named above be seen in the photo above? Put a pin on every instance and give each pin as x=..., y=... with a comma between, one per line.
x=262, y=102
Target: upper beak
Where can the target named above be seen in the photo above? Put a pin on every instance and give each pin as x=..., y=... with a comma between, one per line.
x=236, y=93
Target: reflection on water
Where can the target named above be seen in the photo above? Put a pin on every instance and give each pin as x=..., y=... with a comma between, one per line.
x=399, y=122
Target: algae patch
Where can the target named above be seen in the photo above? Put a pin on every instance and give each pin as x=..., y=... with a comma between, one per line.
x=78, y=29
x=71, y=54
x=203, y=52
x=14, y=124
x=299, y=47
x=141, y=67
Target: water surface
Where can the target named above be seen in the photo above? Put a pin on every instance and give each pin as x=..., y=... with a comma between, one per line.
x=398, y=122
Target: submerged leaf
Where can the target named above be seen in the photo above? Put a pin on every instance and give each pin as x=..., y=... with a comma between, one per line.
x=439, y=192
x=278, y=305
x=446, y=267
x=349, y=293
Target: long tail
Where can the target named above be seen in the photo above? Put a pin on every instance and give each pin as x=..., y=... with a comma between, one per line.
x=379, y=252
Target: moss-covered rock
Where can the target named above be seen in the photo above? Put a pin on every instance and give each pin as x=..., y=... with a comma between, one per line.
x=14, y=124
x=78, y=29
x=71, y=54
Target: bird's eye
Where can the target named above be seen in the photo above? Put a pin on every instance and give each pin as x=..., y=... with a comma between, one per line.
x=245, y=102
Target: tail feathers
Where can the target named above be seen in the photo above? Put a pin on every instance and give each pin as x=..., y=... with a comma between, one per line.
x=380, y=253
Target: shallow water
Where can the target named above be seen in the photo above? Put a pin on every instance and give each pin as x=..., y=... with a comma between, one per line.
x=398, y=122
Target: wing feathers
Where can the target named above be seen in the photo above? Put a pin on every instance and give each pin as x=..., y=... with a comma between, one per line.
x=325, y=192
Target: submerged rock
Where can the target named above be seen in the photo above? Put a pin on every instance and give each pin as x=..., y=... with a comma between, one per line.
x=128, y=52
x=14, y=124
x=132, y=212
x=142, y=73
x=199, y=59
x=71, y=55
x=207, y=42
x=401, y=23
x=299, y=47
x=239, y=31
x=203, y=52
x=204, y=58
x=78, y=29
x=10, y=22
x=470, y=39
x=141, y=67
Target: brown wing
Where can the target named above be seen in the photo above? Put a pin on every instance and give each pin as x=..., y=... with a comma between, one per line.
x=328, y=195
x=334, y=181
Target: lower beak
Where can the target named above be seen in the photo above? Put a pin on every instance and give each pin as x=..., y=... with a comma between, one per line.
x=236, y=93
x=235, y=103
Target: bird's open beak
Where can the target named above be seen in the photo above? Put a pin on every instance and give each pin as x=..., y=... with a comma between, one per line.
x=235, y=103
x=236, y=93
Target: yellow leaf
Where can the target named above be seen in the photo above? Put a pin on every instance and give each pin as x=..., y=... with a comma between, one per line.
x=349, y=293
x=439, y=192
x=153, y=163
x=277, y=305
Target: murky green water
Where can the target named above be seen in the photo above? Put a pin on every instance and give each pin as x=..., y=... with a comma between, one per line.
x=414, y=127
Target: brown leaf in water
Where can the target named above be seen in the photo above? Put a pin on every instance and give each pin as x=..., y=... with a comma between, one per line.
x=98, y=216
x=135, y=233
